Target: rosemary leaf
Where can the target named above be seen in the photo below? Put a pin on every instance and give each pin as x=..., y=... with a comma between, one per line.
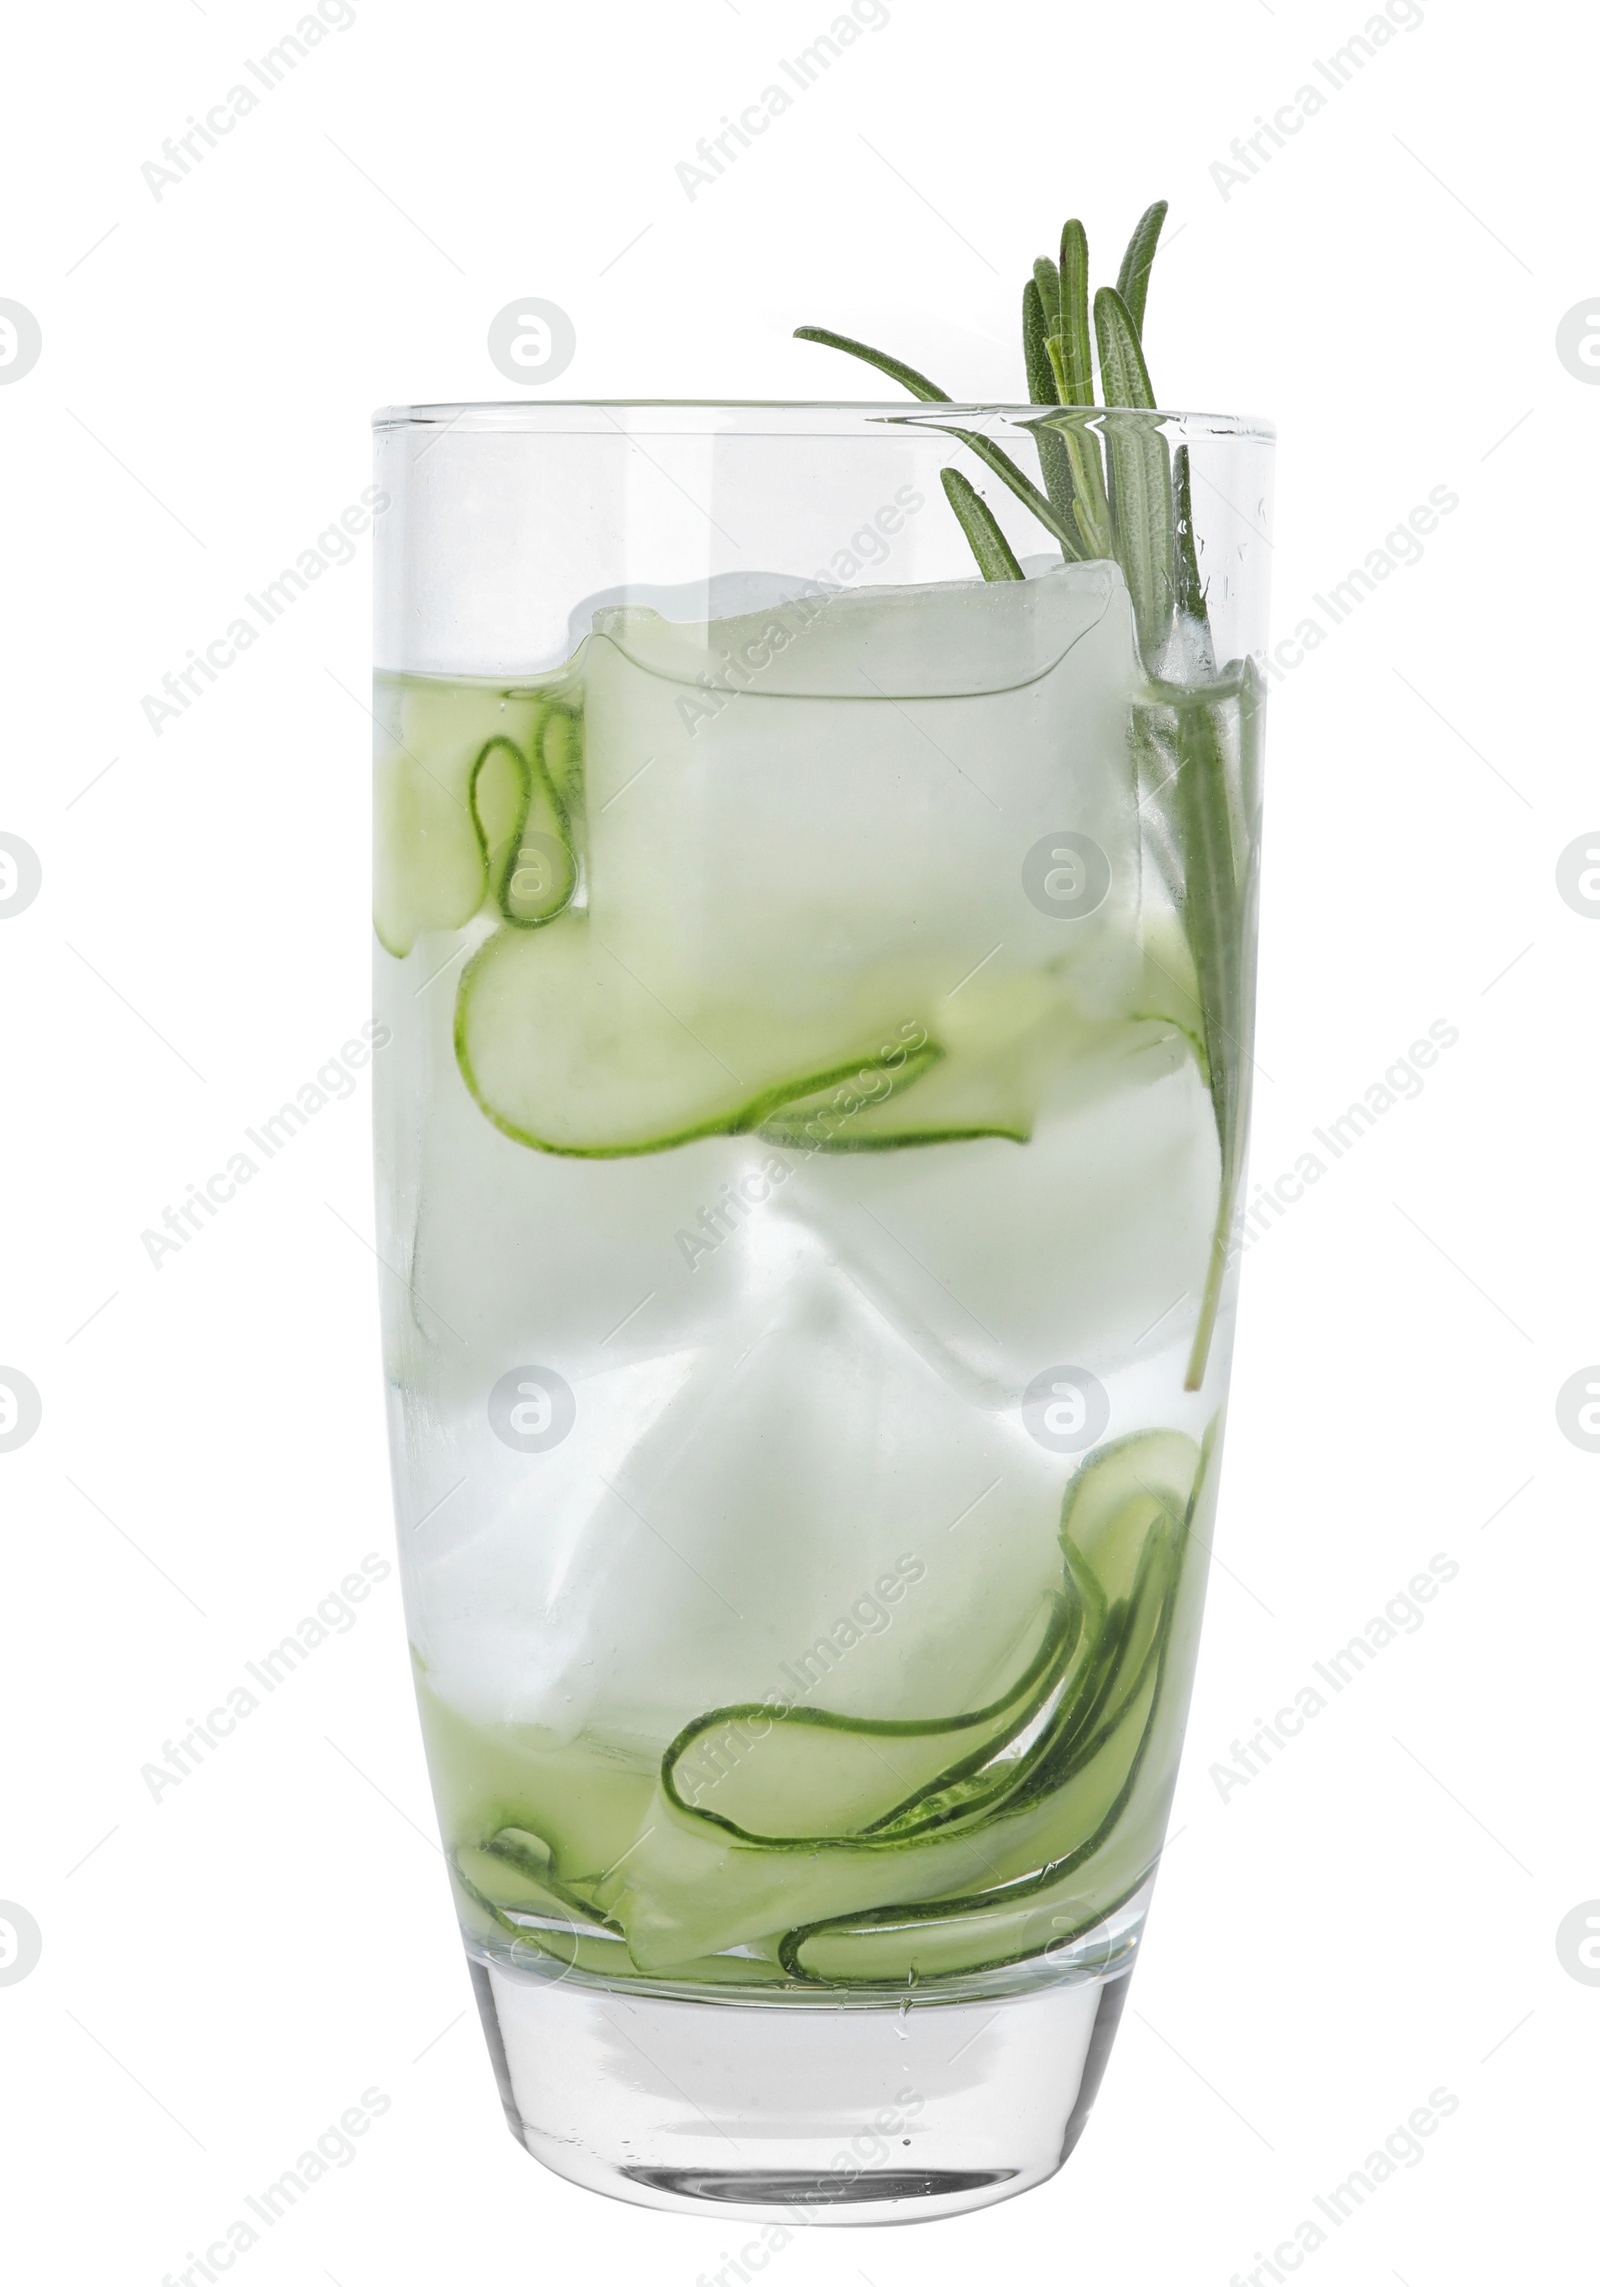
x=991, y=455
x=1055, y=463
x=907, y=375
x=1141, y=477
x=1252, y=740
x=1211, y=922
x=988, y=542
x=1006, y=469
x=1123, y=373
x=1078, y=430
x=1036, y=329
x=1133, y=279
x=1077, y=374
x=1190, y=594
x=1048, y=280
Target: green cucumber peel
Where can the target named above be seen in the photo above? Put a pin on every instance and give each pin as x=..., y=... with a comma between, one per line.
x=561, y=752
x=856, y=1934
x=1020, y=1702
x=778, y=1129
x=1003, y=1897
x=528, y=1914
x=989, y=1904
x=526, y=886
x=1085, y=1702
x=839, y=1122
x=975, y=1786
x=507, y=1879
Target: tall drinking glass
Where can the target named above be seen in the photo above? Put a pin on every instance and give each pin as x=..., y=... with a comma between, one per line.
x=820, y=988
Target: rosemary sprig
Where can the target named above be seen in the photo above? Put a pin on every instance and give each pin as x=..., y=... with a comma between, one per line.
x=1075, y=505
x=1112, y=489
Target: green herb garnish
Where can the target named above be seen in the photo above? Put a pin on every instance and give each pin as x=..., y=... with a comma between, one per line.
x=1113, y=489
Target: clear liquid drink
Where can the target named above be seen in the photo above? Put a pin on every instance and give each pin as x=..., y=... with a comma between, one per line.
x=807, y=1152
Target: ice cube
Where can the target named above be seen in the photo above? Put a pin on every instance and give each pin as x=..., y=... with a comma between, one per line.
x=780, y=802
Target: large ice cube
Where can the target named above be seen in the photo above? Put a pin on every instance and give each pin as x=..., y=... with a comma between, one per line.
x=780, y=801
x=719, y=1505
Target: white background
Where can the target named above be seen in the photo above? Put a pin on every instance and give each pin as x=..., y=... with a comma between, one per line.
x=1373, y=1918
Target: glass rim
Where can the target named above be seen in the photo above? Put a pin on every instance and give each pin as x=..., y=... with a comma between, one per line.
x=510, y=416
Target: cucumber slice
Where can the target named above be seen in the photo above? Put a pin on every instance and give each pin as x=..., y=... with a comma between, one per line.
x=522, y=833
x=837, y=1777
x=1005, y=1049
x=689, y=1890
x=506, y=1887
x=945, y=1937
x=427, y=867
x=509, y=1889
x=983, y=1079
x=1123, y=1491
x=1102, y=1802
x=431, y=866
x=958, y=1103
x=514, y=1873
x=566, y=1049
x=844, y=1117
x=1101, y=1807
x=510, y=1896
x=1043, y=1815
x=561, y=751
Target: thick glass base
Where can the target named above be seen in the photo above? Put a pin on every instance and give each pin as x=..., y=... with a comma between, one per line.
x=799, y=2110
